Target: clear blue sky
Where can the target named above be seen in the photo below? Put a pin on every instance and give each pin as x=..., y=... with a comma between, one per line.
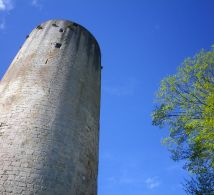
x=141, y=41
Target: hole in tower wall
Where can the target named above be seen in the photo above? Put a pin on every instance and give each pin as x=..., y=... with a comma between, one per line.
x=55, y=25
x=58, y=45
x=61, y=30
x=71, y=27
x=39, y=27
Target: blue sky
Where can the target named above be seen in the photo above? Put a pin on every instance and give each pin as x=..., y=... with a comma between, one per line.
x=142, y=41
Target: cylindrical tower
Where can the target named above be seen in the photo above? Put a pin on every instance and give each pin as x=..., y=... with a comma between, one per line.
x=49, y=113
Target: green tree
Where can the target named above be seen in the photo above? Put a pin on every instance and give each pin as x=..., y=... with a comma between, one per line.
x=200, y=184
x=185, y=105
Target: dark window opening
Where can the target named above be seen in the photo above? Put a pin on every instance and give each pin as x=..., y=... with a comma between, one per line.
x=46, y=61
x=55, y=25
x=61, y=30
x=70, y=27
x=58, y=45
x=39, y=27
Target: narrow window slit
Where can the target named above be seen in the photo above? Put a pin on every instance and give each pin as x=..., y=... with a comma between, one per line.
x=46, y=61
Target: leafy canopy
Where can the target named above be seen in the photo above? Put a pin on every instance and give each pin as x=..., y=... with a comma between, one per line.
x=185, y=104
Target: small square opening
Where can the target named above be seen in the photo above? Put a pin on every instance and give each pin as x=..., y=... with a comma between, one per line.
x=58, y=45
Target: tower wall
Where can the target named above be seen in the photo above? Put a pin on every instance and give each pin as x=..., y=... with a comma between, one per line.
x=49, y=113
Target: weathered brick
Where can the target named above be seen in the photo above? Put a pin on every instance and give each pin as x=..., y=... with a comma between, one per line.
x=49, y=105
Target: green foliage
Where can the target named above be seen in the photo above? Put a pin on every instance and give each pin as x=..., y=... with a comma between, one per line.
x=185, y=104
x=201, y=184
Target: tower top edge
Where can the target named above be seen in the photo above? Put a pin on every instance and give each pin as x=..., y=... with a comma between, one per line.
x=64, y=22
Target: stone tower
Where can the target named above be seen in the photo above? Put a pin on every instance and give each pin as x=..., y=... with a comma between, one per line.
x=49, y=113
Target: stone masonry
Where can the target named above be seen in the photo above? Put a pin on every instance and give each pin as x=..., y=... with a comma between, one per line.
x=49, y=113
